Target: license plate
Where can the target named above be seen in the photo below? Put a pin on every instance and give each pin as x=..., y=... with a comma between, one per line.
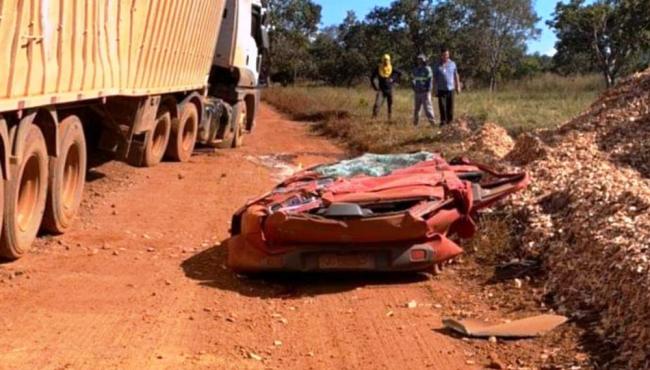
x=346, y=261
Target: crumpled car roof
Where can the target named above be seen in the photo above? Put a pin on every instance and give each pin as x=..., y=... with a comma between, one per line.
x=400, y=200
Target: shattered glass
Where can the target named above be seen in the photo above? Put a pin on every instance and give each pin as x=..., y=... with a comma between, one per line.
x=374, y=165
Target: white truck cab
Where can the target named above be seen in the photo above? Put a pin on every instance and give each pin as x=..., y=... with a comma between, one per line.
x=242, y=39
x=236, y=69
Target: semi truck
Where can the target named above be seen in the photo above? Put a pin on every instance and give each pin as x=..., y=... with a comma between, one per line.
x=144, y=79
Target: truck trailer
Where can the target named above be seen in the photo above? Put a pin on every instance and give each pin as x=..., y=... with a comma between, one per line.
x=144, y=79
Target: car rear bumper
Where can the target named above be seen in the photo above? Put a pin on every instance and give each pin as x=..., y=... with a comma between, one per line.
x=243, y=256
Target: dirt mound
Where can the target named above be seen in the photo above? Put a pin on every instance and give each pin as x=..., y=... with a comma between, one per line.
x=621, y=118
x=586, y=213
x=455, y=132
x=492, y=140
x=527, y=148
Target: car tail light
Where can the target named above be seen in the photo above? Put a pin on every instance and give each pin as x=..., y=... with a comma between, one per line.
x=418, y=255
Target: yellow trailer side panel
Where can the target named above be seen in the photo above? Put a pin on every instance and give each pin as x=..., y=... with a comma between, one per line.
x=56, y=51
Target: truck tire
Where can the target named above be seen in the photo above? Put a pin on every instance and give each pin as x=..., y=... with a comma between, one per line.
x=183, y=134
x=67, y=177
x=230, y=132
x=157, y=139
x=240, y=116
x=25, y=196
x=252, y=102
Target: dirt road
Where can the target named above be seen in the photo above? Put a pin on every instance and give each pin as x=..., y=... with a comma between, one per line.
x=140, y=282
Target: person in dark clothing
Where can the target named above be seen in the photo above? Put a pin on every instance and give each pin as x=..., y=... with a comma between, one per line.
x=422, y=85
x=447, y=83
x=382, y=80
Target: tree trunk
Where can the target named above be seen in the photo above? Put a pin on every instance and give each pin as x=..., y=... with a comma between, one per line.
x=603, y=50
x=609, y=77
x=493, y=81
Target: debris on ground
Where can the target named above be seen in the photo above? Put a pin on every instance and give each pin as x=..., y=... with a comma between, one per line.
x=528, y=148
x=375, y=212
x=491, y=140
x=525, y=328
x=255, y=356
x=586, y=215
x=455, y=132
x=282, y=164
x=495, y=362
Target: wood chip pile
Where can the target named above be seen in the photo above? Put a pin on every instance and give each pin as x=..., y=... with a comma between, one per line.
x=456, y=132
x=587, y=212
x=492, y=140
x=527, y=148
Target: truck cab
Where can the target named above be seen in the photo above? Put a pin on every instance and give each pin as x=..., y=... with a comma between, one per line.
x=243, y=40
x=237, y=72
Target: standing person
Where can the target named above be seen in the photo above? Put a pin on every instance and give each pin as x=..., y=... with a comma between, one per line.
x=382, y=80
x=422, y=85
x=447, y=82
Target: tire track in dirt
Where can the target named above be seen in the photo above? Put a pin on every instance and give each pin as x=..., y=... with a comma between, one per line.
x=139, y=282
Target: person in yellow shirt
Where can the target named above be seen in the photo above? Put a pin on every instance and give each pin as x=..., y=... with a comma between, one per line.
x=383, y=78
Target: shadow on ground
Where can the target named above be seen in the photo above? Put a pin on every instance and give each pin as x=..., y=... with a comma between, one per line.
x=97, y=158
x=327, y=115
x=209, y=269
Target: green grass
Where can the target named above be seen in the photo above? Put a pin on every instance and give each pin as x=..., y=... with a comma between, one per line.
x=543, y=102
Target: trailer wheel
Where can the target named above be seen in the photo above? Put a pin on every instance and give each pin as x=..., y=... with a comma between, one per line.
x=67, y=177
x=183, y=134
x=25, y=196
x=157, y=139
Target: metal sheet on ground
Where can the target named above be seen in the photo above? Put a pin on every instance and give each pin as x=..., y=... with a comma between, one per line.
x=524, y=328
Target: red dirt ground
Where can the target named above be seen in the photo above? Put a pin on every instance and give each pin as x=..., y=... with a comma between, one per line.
x=140, y=282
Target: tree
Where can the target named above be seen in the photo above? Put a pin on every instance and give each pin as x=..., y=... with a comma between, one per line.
x=381, y=35
x=336, y=56
x=325, y=51
x=496, y=31
x=353, y=63
x=409, y=28
x=610, y=35
x=487, y=39
x=294, y=23
x=532, y=65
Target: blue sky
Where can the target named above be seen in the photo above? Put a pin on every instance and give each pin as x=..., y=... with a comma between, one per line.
x=334, y=11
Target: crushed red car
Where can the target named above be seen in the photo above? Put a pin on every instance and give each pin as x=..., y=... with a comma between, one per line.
x=375, y=213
